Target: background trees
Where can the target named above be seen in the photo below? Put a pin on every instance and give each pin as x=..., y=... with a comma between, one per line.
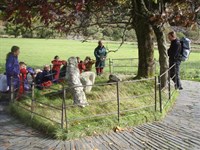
x=110, y=17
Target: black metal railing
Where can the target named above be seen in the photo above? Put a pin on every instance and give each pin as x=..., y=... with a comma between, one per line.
x=166, y=92
x=116, y=98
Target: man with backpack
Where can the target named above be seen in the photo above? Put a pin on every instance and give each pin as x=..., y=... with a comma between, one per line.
x=174, y=59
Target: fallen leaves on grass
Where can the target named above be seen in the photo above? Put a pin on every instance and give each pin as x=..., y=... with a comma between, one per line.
x=117, y=129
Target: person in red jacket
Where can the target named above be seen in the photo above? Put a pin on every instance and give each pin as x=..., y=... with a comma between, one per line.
x=81, y=65
x=56, y=67
x=22, y=77
x=88, y=63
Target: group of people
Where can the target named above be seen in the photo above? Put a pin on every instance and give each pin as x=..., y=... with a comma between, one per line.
x=18, y=70
x=21, y=74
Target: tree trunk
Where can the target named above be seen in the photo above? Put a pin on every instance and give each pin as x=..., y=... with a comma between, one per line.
x=144, y=33
x=163, y=57
x=145, y=49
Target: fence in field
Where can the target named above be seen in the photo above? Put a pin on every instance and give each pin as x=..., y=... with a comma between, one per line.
x=156, y=98
x=125, y=65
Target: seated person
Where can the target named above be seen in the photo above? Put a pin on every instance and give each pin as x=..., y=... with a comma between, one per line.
x=31, y=74
x=24, y=86
x=88, y=63
x=47, y=76
x=63, y=69
x=44, y=78
x=81, y=65
x=56, y=67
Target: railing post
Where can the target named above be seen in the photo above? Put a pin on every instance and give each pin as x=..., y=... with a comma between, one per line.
x=175, y=76
x=169, y=87
x=160, y=95
x=155, y=65
x=118, y=99
x=64, y=107
x=32, y=99
x=64, y=113
x=110, y=66
x=155, y=85
x=11, y=89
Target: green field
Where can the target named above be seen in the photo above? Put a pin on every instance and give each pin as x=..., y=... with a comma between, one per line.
x=37, y=52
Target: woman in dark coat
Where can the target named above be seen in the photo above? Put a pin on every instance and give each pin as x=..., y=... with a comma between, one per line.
x=12, y=67
x=100, y=54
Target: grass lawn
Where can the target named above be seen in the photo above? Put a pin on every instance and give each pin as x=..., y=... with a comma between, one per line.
x=37, y=52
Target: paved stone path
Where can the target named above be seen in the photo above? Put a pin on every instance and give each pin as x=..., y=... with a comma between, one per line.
x=179, y=130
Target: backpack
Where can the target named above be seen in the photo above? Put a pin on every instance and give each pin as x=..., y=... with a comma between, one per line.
x=185, y=49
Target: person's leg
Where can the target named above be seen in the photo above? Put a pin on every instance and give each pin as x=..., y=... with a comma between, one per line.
x=98, y=71
x=178, y=80
x=16, y=82
x=101, y=70
x=172, y=71
x=21, y=88
x=97, y=64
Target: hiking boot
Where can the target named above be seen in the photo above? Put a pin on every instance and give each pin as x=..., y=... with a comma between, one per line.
x=180, y=88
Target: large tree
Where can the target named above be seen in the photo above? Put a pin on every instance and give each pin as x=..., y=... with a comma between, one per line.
x=145, y=16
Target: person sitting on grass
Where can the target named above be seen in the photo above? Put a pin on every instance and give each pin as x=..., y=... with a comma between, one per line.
x=44, y=79
x=88, y=63
x=56, y=67
x=23, y=79
x=63, y=70
x=81, y=65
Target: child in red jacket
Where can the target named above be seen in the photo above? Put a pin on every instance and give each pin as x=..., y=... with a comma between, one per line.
x=81, y=65
x=22, y=77
x=56, y=67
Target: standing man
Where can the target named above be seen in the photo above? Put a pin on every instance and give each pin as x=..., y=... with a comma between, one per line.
x=173, y=53
x=100, y=54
